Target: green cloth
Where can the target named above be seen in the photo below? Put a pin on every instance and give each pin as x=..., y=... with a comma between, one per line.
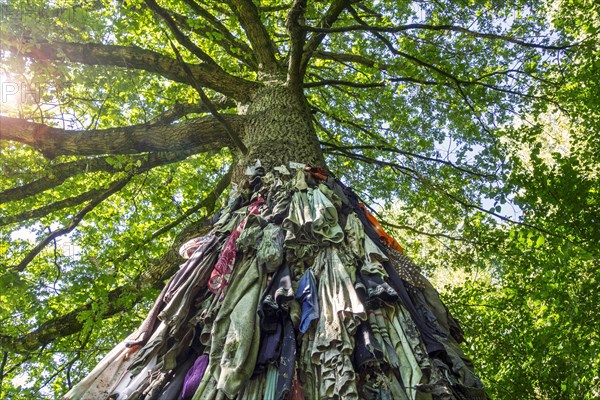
x=341, y=313
x=235, y=335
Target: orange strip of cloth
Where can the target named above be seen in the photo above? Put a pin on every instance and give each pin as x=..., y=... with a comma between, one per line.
x=387, y=239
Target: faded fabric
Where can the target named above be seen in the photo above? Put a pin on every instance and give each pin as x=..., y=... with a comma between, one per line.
x=296, y=293
x=308, y=296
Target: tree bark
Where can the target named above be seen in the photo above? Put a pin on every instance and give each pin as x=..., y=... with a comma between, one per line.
x=132, y=57
x=202, y=133
x=263, y=46
x=279, y=129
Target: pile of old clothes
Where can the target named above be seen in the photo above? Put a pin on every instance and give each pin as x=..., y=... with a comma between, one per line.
x=297, y=293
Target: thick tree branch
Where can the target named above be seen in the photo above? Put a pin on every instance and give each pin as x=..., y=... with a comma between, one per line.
x=268, y=9
x=204, y=134
x=115, y=187
x=328, y=19
x=233, y=135
x=153, y=277
x=50, y=208
x=66, y=324
x=146, y=164
x=61, y=172
x=181, y=38
x=448, y=28
x=133, y=57
x=262, y=44
x=297, y=39
x=350, y=58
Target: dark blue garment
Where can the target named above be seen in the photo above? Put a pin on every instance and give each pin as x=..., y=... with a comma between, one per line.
x=433, y=346
x=273, y=311
x=270, y=347
x=287, y=362
x=274, y=301
x=308, y=296
x=367, y=351
x=373, y=291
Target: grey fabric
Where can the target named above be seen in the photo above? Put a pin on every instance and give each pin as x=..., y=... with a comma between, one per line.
x=172, y=389
x=296, y=226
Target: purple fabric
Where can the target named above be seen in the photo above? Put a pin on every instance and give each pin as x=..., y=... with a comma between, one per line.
x=194, y=376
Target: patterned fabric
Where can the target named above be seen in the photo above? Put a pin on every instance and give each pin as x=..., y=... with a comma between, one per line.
x=192, y=245
x=406, y=269
x=219, y=279
x=297, y=293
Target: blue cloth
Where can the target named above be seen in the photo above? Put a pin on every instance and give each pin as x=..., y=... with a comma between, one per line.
x=307, y=295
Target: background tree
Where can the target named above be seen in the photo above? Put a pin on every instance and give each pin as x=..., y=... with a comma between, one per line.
x=471, y=127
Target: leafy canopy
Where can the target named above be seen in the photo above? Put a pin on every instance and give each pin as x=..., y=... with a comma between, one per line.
x=471, y=126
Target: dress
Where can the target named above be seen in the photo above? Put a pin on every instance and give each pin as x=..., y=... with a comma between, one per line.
x=297, y=293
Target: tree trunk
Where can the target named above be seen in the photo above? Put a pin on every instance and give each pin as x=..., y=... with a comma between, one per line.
x=369, y=299
x=278, y=129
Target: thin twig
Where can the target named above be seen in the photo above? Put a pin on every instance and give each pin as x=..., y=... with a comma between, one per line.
x=209, y=105
x=181, y=38
x=115, y=187
x=409, y=154
x=453, y=28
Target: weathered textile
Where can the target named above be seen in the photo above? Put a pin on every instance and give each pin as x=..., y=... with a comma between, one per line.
x=296, y=293
x=219, y=279
x=309, y=298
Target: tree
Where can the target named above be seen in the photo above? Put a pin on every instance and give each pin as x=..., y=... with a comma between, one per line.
x=123, y=125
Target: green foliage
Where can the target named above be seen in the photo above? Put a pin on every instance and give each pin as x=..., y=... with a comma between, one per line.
x=534, y=327
x=480, y=151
